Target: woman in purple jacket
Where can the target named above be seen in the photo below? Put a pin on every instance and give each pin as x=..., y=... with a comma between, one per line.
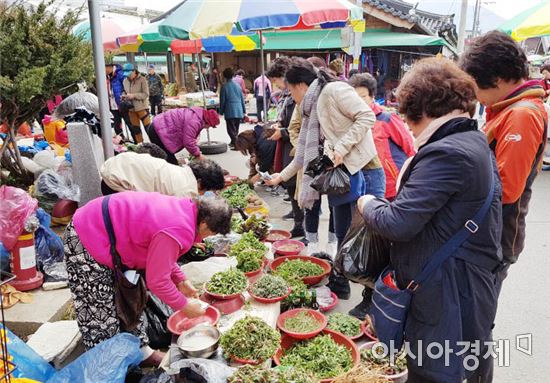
x=179, y=129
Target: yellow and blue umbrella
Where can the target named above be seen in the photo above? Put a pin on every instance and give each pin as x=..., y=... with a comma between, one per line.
x=196, y=19
x=533, y=22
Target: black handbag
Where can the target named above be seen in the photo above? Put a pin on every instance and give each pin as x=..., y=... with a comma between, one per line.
x=130, y=299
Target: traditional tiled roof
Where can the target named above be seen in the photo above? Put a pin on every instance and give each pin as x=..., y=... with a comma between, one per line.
x=436, y=24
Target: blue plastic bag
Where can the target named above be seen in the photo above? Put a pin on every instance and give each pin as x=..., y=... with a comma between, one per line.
x=49, y=249
x=106, y=362
x=4, y=258
x=29, y=364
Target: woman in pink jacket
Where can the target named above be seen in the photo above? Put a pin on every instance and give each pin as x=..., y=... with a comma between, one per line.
x=152, y=232
x=180, y=128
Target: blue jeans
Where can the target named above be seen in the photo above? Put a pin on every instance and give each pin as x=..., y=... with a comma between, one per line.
x=376, y=182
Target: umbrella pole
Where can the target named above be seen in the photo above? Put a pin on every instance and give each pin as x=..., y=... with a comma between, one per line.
x=263, y=76
x=201, y=79
x=100, y=75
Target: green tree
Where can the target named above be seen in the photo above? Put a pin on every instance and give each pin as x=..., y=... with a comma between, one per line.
x=39, y=58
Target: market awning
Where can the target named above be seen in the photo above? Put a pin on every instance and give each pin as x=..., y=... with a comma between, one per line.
x=331, y=39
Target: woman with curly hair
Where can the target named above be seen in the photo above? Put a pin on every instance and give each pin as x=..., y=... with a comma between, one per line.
x=442, y=188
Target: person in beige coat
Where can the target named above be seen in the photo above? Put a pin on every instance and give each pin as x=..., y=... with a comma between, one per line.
x=136, y=90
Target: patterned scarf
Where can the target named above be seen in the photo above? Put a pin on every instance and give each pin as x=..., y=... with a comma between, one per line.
x=309, y=138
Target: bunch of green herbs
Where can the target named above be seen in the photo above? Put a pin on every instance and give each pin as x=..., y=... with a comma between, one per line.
x=236, y=195
x=258, y=374
x=249, y=252
x=344, y=324
x=296, y=268
x=270, y=286
x=227, y=282
x=250, y=338
x=321, y=356
x=301, y=323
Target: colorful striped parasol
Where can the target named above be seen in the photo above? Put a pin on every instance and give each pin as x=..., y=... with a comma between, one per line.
x=533, y=22
x=195, y=19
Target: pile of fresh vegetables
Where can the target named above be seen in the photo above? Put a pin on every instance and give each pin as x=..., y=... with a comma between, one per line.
x=249, y=252
x=344, y=324
x=227, y=282
x=237, y=195
x=296, y=268
x=256, y=224
x=256, y=374
x=250, y=338
x=270, y=286
x=302, y=323
x=371, y=358
x=320, y=356
x=196, y=253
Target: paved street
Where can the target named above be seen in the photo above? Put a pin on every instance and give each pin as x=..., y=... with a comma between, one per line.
x=524, y=303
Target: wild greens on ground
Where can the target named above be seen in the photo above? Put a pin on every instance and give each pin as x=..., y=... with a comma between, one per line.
x=384, y=365
x=296, y=268
x=270, y=286
x=227, y=282
x=236, y=195
x=345, y=324
x=249, y=252
x=256, y=374
x=321, y=356
x=256, y=224
x=250, y=338
x=302, y=323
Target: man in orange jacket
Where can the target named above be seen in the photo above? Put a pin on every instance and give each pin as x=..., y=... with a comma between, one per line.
x=516, y=131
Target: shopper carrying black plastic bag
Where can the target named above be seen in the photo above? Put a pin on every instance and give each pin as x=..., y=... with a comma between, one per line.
x=363, y=254
x=334, y=181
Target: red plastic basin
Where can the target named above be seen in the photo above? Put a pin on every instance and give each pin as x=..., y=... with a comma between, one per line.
x=255, y=274
x=178, y=322
x=278, y=244
x=310, y=281
x=287, y=342
x=292, y=313
x=284, y=233
x=332, y=305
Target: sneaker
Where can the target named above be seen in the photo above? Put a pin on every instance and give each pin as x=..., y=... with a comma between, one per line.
x=297, y=232
x=287, y=199
x=268, y=189
x=289, y=216
x=312, y=247
x=304, y=241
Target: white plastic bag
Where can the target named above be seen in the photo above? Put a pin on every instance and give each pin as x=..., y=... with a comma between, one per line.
x=199, y=273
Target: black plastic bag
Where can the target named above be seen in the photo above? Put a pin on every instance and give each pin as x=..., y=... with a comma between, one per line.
x=318, y=166
x=156, y=316
x=363, y=254
x=334, y=181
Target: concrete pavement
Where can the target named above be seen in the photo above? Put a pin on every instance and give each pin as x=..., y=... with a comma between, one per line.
x=524, y=303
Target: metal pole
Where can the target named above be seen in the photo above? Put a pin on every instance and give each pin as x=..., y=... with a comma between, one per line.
x=462, y=26
x=263, y=76
x=357, y=43
x=202, y=87
x=101, y=76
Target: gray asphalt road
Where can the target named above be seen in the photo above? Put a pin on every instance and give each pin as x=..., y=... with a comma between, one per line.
x=524, y=306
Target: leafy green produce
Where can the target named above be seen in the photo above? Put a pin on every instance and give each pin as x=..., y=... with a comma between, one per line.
x=256, y=224
x=321, y=356
x=250, y=338
x=249, y=252
x=258, y=374
x=388, y=366
x=236, y=223
x=236, y=195
x=345, y=324
x=296, y=268
x=249, y=260
x=302, y=323
x=270, y=286
x=227, y=282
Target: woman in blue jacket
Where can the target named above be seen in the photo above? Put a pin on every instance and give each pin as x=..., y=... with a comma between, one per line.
x=441, y=188
x=232, y=105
